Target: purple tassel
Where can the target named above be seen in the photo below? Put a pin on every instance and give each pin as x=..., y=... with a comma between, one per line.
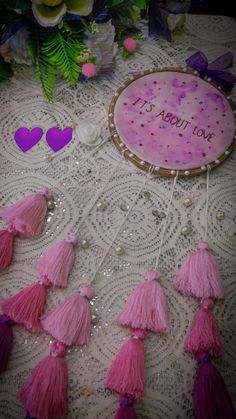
x=126, y=410
x=6, y=338
x=211, y=399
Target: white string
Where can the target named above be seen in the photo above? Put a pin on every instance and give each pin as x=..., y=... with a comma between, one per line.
x=207, y=203
x=95, y=198
x=120, y=226
x=166, y=220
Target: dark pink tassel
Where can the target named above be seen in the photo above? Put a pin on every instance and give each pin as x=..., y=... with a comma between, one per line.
x=44, y=395
x=203, y=333
x=126, y=409
x=6, y=248
x=211, y=399
x=26, y=307
x=126, y=374
x=6, y=338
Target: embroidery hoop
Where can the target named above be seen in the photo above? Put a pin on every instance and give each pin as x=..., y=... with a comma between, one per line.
x=145, y=165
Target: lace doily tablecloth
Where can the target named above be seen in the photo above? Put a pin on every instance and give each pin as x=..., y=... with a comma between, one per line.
x=76, y=175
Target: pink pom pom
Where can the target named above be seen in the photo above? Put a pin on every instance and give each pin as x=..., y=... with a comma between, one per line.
x=47, y=193
x=58, y=349
x=146, y=307
x=210, y=397
x=199, y=275
x=126, y=410
x=44, y=395
x=26, y=307
x=6, y=338
x=70, y=322
x=203, y=334
x=126, y=374
x=6, y=249
x=88, y=70
x=152, y=275
x=130, y=44
x=87, y=291
x=26, y=217
x=72, y=238
x=55, y=265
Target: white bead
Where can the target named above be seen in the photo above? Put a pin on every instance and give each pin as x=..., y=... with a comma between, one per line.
x=115, y=135
x=217, y=161
x=172, y=172
x=188, y=202
x=131, y=155
x=112, y=125
x=142, y=162
x=226, y=152
x=51, y=204
x=85, y=244
x=186, y=172
x=110, y=114
x=186, y=231
x=101, y=206
x=220, y=215
x=195, y=72
x=228, y=97
x=157, y=168
x=120, y=251
x=219, y=87
x=184, y=69
x=203, y=167
x=209, y=79
x=116, y=94
x=121, y=145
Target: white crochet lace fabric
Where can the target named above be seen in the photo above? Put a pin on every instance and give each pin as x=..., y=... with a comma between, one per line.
x=76, y=175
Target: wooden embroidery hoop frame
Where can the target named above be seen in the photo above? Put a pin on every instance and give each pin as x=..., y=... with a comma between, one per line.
x=144, y=165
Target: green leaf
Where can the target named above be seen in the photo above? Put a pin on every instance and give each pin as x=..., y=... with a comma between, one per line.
x=16, y=4
x=5, y=70
x=62, y=51
x=46, y=72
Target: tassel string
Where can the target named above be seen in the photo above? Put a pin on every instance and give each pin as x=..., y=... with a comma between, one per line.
x=122, y=223
x=166, y=221
x=207, y=204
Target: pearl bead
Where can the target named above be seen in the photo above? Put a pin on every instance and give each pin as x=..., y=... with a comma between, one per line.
x=172, y=172
x=101, y=206
x=188, y=202
x=186, y=231
x=186, y=172
x=51, y=204
x=220, y=215
x=85, y=244
x=95, y=318
x=120, y=251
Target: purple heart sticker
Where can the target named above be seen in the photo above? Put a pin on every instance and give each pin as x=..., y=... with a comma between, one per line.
x=57, y=139
x=26, y=139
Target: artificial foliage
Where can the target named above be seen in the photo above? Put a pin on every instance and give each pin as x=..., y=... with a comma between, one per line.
x=52, y=35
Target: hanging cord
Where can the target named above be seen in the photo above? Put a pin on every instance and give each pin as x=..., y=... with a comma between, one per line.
x=207, y=203
x=120, y=226
x=97, y=195
x=166, y=220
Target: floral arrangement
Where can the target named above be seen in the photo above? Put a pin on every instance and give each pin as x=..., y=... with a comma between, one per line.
x=74, y=38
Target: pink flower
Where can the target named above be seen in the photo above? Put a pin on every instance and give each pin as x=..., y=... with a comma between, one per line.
x=130, y=44
x=89, y=70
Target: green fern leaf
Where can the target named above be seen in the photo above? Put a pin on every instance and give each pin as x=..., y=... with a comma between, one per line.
x=62, y=51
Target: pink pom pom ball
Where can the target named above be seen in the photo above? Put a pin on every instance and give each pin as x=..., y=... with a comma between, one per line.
x=89, y=70
x=87, y=291
x=130, y=44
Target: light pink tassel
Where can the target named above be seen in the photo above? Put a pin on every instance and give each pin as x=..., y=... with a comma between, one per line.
x=26, y=307
x=6, y=248
x=199, y=275
x=54, y=267
x=44, y=395
x=203, y=334
x=126, y=374
x=146, y=307
x=26, y=217
x=70, y=322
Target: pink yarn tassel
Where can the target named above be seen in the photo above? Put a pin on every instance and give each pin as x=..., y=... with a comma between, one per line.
x=44, y=395
x=126, y=374
x=26, y=217
x=199, y=275
x=146, y=307
x=26, y=307
x=203, y=334
x=70, y=322
x=126, y=410
x=6, y=338
x=54, y=267
x=211, y=399
x=6, y=248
